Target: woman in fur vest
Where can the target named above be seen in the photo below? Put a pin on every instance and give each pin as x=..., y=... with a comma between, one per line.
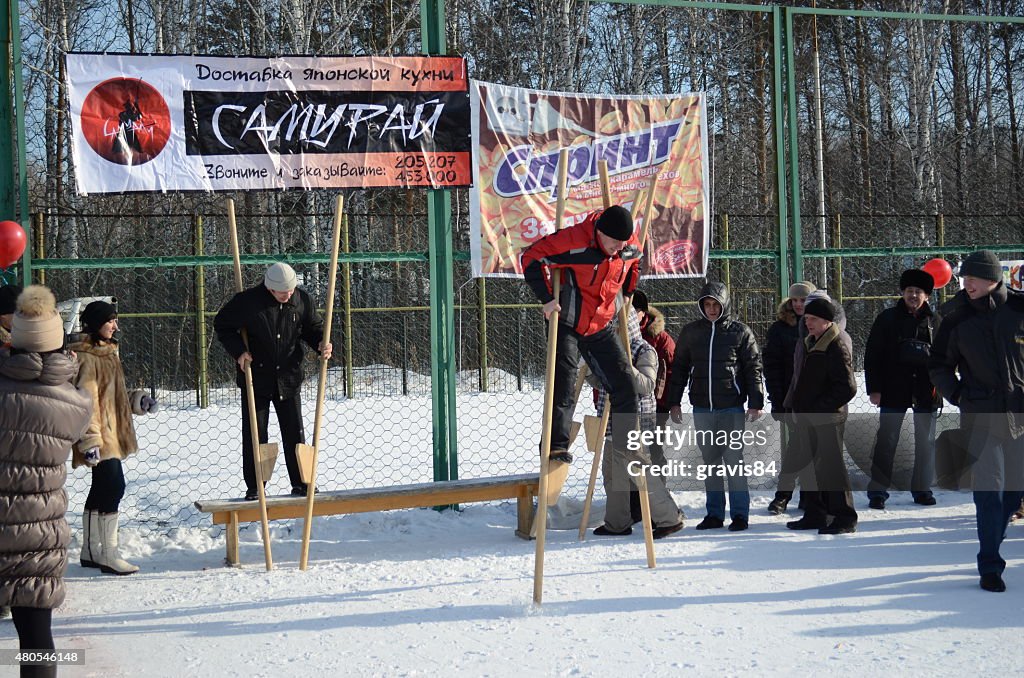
x=109, y=438
x=41, y=415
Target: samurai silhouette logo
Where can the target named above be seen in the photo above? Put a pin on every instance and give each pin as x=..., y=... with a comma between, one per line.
x=126, y=121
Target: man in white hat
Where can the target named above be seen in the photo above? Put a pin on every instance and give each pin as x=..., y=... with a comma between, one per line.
x=277, y=317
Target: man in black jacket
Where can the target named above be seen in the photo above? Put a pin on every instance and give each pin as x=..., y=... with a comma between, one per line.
x=977, y=364
x=277, y=317
x=718, y=358
x=896, y=378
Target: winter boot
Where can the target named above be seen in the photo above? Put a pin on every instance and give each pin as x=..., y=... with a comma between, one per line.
x=111, y=561
x=92, y=539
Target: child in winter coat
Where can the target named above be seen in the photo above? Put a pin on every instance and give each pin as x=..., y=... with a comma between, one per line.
x=109, y=438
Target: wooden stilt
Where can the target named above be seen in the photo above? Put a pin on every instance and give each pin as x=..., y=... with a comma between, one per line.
x=257, y=449
x=549, y=396
x=307, y=525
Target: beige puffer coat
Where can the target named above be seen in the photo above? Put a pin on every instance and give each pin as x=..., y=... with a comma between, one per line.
x=41, y=415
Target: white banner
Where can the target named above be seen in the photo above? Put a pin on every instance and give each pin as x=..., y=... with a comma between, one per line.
x=201, y=123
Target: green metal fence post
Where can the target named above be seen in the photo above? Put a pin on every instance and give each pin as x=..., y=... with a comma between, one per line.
x=19, y=128
x=778, y=86
x=7, y=202
x=39, y=219
x=482, y=315
x=442, y=295
x=203, y=383
x=794, y=150
x=346, y=306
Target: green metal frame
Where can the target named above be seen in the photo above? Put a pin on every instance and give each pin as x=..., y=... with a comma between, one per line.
x=442, y=294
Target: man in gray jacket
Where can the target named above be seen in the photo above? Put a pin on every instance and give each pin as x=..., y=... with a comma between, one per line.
x=977, y=364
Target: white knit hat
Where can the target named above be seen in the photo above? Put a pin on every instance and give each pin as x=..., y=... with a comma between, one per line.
x=36, y=326
x=280, y=278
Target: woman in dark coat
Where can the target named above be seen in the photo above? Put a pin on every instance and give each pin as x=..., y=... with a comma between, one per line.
x=41, y=415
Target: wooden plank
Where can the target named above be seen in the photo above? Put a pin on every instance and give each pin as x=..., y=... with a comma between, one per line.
x=362, y=504
x=505, y=486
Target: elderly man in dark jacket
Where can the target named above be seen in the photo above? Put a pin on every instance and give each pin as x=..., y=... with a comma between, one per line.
x=823, y=387
x=277, y=317
x=718, y=358
x=977, y=364
x=896, y=378
x=41, y=415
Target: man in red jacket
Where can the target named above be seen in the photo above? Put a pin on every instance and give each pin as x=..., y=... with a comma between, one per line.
x=598, y=258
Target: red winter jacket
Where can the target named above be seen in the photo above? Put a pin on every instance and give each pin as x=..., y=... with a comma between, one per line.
x=665, y=346
x=590, y=278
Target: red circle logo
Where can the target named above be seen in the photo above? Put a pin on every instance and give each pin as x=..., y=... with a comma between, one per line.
x=674, y=256
x=126, y=121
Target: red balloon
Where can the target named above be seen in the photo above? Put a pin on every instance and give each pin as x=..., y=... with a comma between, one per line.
x=12, y=242
x=940, y=271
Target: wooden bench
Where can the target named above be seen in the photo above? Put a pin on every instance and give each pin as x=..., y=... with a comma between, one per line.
x=522, y=488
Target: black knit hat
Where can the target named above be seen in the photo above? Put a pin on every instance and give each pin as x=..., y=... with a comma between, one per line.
x=982, y=264
x=915, y=277
x=616, y=222
x=640, y=302
x=9, y=299
x=96, y=314
x=821, y=308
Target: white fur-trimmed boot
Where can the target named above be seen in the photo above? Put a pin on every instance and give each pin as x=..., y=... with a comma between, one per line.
x=111, y=561
x=92, y=542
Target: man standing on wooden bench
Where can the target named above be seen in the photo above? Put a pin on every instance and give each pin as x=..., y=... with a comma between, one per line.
x=277, y=318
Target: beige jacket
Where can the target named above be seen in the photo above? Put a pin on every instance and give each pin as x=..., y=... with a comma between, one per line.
x=111, y=428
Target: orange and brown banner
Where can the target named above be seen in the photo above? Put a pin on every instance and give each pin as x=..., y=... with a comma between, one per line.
x=204, y=123
x=519, y=133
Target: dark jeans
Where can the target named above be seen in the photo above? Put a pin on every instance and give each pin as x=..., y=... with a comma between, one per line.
x=725, y=420
x=607, y=359
x=34, y=633
x=107, y=488
x=890, y=423
x=289, y=418
x=999, y=481
x=830, y=494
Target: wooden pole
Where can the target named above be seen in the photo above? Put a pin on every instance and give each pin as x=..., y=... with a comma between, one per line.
x=253, y=425
x=549, y=396
x=320, y=389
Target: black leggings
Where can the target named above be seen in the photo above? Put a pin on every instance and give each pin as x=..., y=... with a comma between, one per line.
x=34, y=633
x=107, y=487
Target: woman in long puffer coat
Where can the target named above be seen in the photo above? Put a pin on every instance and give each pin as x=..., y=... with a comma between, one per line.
x=109, y=438
x=41, y=415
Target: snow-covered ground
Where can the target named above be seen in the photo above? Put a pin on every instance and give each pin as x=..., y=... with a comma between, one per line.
x=420, y=592
x=424, y=593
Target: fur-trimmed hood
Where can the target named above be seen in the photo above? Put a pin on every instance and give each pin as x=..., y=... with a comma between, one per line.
x=785, y=312
x=656, y=324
